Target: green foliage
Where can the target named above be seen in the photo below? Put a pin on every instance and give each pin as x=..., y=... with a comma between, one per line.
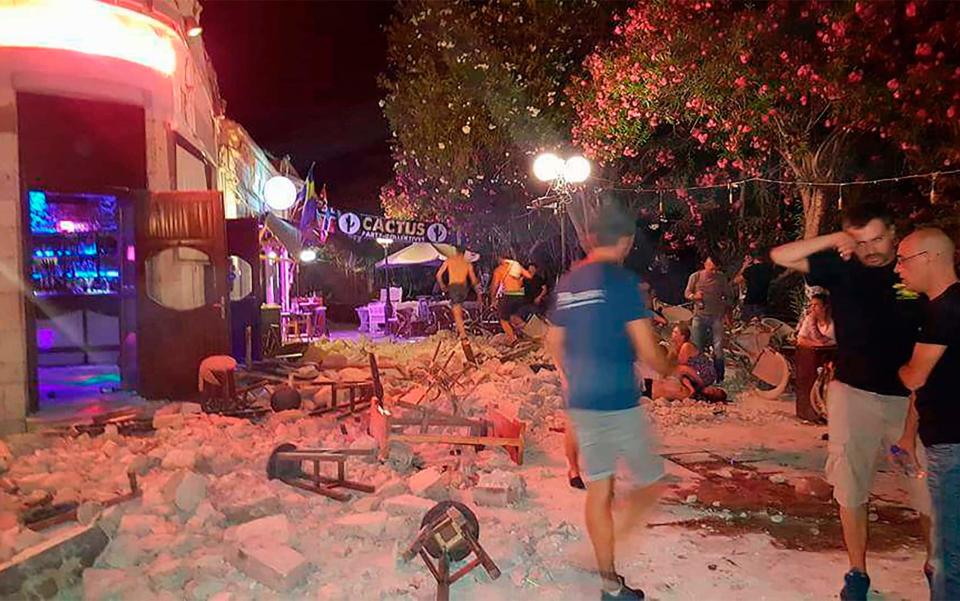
x=473, y=91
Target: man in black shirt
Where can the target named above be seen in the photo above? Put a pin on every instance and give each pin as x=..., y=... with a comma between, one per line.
x=755, y=277
x=535, y=290
x=925, y=261
x=876, y=328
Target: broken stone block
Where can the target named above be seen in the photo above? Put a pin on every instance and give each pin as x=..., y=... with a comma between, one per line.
x=353, y=374
x=407, y=505
x=362, y=525
x=141, y=464
x=499, y=488
x=190, y=492
x=124, y=551
x=168, y=572
x=364, y=504
x=431, y=483
x=179, y=459
x=190, y=408
x=25, y=539
x=274, y=565
x=175, y=420
x=138, y=524
x=273, y=528
x=104, y=585
x=260, y=503
x=204, y=588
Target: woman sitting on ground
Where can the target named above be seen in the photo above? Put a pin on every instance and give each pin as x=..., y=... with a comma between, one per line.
x=817, y=330
x=695, y=371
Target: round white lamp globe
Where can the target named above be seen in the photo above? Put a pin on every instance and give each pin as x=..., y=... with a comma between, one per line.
x=548, y=167
x=280, y=193
x=308, y=255
x=576, y=170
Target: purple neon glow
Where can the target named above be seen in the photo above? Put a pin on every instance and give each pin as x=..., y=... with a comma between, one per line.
x=131, y=253
x=45, y=338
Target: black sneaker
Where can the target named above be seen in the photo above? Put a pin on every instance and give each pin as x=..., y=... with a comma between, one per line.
x=577, y=482
x=856, y=584
x=624, y=594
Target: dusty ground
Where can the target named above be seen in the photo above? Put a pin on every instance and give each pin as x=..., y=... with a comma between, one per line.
x=738, y=522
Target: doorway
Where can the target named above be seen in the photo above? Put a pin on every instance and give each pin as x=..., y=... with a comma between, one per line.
x=77, y=158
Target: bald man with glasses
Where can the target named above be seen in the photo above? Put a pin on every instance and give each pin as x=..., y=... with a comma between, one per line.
x=925, y=262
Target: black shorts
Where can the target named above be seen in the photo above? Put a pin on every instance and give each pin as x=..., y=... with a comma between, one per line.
x=458, y=293
x=510, y=305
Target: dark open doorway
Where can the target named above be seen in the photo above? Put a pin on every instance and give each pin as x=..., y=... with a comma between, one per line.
x=78, y=161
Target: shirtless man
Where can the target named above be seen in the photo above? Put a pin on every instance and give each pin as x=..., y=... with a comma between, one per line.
x=458, y=271
x=508, y=281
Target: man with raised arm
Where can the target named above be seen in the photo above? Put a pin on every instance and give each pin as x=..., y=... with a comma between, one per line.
x=876, y=327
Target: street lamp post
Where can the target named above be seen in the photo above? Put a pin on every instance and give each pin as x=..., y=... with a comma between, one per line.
x=563, y=176
x=385, y=243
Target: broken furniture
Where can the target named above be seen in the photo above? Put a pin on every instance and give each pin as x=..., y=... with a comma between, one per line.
x=286, y=464
x=440, y=381
x=41, y=518
x=495, y=430
x=218, y=385
x=449, y=533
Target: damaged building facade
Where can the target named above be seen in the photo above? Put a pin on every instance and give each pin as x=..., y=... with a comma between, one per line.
x=111, y=222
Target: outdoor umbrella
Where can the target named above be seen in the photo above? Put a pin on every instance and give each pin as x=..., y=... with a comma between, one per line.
x=423, y=253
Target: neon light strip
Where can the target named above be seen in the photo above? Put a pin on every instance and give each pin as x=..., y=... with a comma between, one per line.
x=89, y=27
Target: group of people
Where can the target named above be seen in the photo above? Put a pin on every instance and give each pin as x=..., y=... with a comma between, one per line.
x=896, y=352
x=516, y=291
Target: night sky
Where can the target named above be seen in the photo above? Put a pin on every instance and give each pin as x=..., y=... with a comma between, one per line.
x=301, y=77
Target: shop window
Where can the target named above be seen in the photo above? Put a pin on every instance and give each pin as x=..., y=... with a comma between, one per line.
x=181, y=278
x=239, y=278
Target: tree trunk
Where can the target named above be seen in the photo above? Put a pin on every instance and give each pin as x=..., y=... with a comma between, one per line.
x=814, y=209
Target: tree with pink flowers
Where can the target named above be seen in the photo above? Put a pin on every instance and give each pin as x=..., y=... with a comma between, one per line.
x=804, y=89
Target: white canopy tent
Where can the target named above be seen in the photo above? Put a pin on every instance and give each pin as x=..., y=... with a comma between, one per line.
x=423, y=253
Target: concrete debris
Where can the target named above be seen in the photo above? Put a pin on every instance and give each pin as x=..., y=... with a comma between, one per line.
x=274, y=565
x=431, y=483
x=210, y=525
x=407, y=505
x=362, y=525
x=272, y=528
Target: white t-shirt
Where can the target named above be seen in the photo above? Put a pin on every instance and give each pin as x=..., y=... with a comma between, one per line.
x=824, y=334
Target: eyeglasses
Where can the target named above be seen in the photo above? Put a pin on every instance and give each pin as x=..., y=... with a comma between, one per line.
x=902, y=260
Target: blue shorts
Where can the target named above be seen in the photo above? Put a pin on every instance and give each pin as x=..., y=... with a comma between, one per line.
x=604, y=437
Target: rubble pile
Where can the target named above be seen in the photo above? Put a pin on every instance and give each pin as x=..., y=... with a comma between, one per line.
x=209, y=524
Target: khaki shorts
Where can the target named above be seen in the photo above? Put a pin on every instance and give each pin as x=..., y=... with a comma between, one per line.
x=863, y=426
x=607, y=438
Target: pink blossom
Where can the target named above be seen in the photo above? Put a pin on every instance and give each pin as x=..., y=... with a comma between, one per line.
x=911, y=10
x=855, y=77
x=741, y=82
x=744, y=57
x=952, y=112
x=924, y=49
x=893, y=84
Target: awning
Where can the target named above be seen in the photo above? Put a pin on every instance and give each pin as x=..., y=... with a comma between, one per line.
x=423, y=253
x=286, y=233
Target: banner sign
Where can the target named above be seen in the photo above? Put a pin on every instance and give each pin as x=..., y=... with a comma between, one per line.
x=378, y=226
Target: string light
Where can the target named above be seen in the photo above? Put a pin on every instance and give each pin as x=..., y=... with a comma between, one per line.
x=933, y=189
x=840, y=199
x=767, y=180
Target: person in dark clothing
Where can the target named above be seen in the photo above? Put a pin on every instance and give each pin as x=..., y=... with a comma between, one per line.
x=755, y=277
x=925, y=261
x=876, y=328
x=535, y=290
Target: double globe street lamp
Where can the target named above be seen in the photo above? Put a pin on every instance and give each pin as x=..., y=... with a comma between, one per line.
x=563, y=175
